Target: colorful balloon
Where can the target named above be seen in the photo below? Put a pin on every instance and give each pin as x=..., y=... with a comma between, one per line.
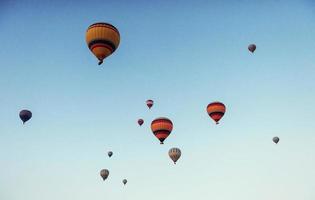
x=110, y=153
x=102, y=39
x=161, y=128
x=25, y=115
x=149, y=103
x=252, y=48
x=104, y=174
x=124, y=181
x=216, y=111
x=140, y=122
x=276, y=140
x=174, y=154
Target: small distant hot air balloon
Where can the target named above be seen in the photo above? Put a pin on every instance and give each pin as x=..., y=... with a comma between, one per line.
x=104, y=174
x=102, y=39
x=216, y=111
x=140, y=122
x=174, y=154
x=110, y=153
x=149, y=103
x=124, y=181
x=275, y=140
x=161, y=128
x=25, y=115
x=252, y=48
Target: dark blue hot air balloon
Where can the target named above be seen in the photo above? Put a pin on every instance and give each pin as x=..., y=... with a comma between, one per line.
x=25, y=115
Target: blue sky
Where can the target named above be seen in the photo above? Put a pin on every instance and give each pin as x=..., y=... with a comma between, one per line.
x=183, y=55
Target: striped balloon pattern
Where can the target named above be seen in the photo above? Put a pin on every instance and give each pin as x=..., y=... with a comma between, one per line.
x=174, y=154
x=162, y=128
x=102, y=39
x=216, y=111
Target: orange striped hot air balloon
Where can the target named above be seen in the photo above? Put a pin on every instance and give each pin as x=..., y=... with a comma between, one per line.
x=216, y=111
x=161, y=128
x=102, y=39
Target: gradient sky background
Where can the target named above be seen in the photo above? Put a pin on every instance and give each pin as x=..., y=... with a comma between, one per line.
x=183, y=55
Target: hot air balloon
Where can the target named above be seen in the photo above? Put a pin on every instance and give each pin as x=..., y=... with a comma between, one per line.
x=252, y=48
x=149, y=103
x=174, y=154
x=216, y=111
x=104, y=174
x=140, y=122
x=161, y=128
x=102, y=39
x=275, y=140
x=124, y=181
x=25, y=115
x=110, y=153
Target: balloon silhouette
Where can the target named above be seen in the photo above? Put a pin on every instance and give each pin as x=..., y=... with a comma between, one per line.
x=104, y=174
x=149, y=103
x=25, y=115
x=276, y=140
x=140, y=122
x=252, y=48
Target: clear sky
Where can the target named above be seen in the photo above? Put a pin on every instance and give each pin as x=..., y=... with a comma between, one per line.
x=183, y=55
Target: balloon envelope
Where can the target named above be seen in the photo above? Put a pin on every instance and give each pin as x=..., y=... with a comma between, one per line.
x=216, y=110
x=161, y=128
x=140, y=122
x=102, y=39
x=104, y=174
x=252, y=48
x=276, y=140
x=174, y=154
x=25, y=115
x=149, y=103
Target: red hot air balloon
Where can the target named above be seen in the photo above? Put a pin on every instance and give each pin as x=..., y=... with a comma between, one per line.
x=140, y=122
x=216, y=111
x=161, y=128
x=149, y=103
